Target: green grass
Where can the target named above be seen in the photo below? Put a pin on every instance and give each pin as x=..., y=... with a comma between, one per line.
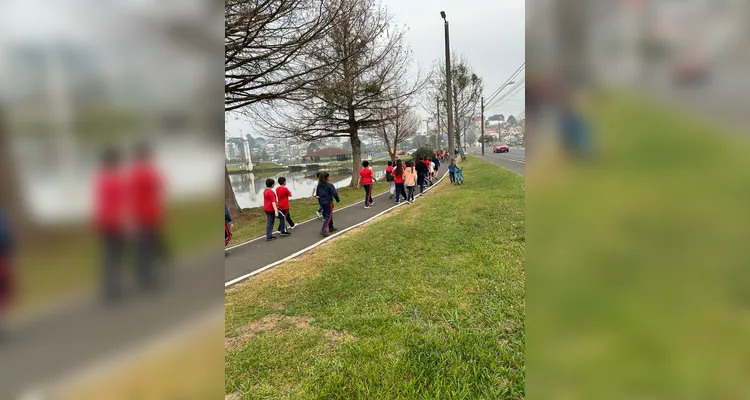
x=267, y=166
x=379, y=314
x=66, y=260
x=252, y=222
x=639, y=277
x=236, y=169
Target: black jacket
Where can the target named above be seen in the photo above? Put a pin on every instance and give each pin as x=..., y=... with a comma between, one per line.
x=327, y=193
x=421, y=168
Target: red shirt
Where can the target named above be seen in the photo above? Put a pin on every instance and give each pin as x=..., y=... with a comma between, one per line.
x=269, y=197
x=109, y=201
x=389, y=169
x=146, y=195
x=398, y=178
x=366, y=175
x=427, y=163
x=283, y=194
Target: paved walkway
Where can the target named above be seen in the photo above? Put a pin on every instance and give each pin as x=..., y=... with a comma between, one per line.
x=242, y=261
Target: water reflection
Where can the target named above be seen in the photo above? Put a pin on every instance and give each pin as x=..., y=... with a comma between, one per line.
x=249, y=187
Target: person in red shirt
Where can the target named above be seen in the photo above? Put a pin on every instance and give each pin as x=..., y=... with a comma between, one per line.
x=110, y=189
x=147, y=213
x=283, y=194
x=7, y=273
x=271, y=208
x=398, y=177
x=366, y=179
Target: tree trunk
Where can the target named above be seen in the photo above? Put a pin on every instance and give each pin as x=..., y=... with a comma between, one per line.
x=229, y=198
x=457, y=126
x=356, y=155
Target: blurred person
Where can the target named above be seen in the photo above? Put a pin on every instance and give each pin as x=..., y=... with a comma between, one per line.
x=575, y=131
x=145, y=186
x=422, y=170
x=7, y=273
x=389, y=178
x=227, y=225
x=110, y=188
x=398, y=178
x=314, y=195
x=436, y=161
x=410, y=180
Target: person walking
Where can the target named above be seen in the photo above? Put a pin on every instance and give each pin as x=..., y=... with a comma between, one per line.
x=314, y=195
x=7, y=271
x=227, y=225
x=410, y=180
x=366, y=179
x=422, y=171
x=271, y=208
x=436, y=167
x=326, y=195
x=283, y=194
x=110, y=209
x=452, y=171
x=389, y=178
x=398, y=177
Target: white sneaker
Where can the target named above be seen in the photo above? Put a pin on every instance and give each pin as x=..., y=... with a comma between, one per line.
x=293, y=226
x=367, y=206
x=319, y=214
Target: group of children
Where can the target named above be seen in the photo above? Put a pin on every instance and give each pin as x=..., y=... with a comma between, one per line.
x=402, y=177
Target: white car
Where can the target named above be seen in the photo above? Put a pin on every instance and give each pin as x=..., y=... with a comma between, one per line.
x=410, y=152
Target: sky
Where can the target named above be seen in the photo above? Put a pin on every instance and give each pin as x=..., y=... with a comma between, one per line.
x=489, y=33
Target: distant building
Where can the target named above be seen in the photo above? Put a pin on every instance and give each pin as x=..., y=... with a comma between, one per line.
x=328, y=154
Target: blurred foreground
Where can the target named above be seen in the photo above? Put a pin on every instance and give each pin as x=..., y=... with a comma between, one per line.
x=78, y=77
x=638, y=285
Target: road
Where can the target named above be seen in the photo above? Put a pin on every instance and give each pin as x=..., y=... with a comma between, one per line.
x=514, y=160
x=84, y=332
x=250, y=257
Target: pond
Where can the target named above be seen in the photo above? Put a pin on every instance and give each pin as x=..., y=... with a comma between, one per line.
x=249, y=187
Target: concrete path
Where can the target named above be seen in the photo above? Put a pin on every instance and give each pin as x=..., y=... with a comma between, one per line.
x=244, y=260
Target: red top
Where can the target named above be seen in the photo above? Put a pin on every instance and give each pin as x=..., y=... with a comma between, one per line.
x=427, y=163
x=398, y=178
x=366, y=175
x=283, y=194
x=269, y=197
x=109, y=201
x=146, y=195
x=389, y=168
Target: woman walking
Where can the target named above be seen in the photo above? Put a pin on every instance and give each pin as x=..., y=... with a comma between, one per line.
x=398, y=177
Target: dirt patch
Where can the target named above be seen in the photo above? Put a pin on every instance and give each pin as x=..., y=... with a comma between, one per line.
x=279, y=324
x=233, y=396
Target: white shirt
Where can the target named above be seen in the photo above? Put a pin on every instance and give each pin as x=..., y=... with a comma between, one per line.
x=432, y=166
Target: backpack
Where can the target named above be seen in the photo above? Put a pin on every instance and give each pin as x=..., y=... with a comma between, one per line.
x=389, y=176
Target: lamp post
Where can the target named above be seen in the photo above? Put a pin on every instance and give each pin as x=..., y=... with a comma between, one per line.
x=448, y=91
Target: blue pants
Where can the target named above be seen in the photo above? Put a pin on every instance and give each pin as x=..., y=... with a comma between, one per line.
x=453, y=177
x=270, y=219
x=400, y=192
x=327, y=217
x=410, y=195
x=420, y=182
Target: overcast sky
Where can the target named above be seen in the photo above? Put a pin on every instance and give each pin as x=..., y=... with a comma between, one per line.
x=490, y=33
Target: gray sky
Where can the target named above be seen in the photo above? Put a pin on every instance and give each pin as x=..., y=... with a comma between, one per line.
x=491, y=34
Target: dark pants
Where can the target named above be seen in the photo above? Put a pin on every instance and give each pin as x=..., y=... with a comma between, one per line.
x=327, y=217
x=420, y=182
x=410, y=195
x=270, y=219
x=368, y=194
x=400, y=191
x=288, y=218
x=149, y=249
x=453, y=177
x=113, y=246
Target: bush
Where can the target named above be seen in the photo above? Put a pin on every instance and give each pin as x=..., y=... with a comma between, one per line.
x=424, y=152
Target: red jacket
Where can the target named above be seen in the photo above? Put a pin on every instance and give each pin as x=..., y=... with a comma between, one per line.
x=109, y=201
x=145, y=185
x=282, y=195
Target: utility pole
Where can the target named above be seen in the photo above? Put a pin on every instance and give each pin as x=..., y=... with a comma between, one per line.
x=448, y=91
x=482, y=140
x=437, y=117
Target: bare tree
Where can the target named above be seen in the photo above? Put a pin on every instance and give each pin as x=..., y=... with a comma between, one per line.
x=370, y=59
x=402, y=123
x=467, y=91
x=267, y=48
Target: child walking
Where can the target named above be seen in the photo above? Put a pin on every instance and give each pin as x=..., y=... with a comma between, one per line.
x=410, y=179
x=319, y=213
x=366, y=179
x=271, y=207
x=283, y=194
x=326, y=194
x=398, y=177
x=452, y=171
x=389, y=178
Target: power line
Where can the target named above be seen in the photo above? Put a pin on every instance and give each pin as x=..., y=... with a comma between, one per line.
x=507, y=81
x=514, y=90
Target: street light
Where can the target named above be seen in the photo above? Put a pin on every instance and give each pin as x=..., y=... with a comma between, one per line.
x=448, y=91
x=498, y=91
